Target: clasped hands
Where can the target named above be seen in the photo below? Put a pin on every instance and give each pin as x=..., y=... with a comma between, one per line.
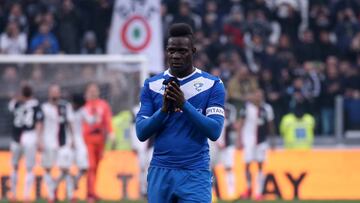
x=173, y=96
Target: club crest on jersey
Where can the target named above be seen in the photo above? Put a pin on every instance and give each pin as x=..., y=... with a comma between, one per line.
x=198, y=86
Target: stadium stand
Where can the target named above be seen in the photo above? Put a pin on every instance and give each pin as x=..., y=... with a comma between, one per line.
x=290, y=48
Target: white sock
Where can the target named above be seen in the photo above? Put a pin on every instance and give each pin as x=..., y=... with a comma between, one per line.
x=69, y=186
x=50, y=185
x=230, y=178
x=260, y=183
x=59, y=179
x=29, y=180
x=13, y=182
x=78, y=177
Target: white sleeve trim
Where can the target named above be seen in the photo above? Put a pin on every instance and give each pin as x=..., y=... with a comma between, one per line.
x=215, y=111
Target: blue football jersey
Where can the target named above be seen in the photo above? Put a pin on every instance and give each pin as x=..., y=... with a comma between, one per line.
x=179, y=144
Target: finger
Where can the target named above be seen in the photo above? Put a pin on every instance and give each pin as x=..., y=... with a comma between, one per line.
x=175, y=90
x=170, y=88
x=174, y=84
x=173, y=94
x=171, y=98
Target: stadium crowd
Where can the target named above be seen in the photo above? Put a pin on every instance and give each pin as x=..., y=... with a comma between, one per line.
x=296, y=50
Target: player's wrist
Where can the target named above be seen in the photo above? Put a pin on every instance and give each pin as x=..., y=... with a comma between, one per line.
x=182, y=103
x=164, y=110
x=185, y=105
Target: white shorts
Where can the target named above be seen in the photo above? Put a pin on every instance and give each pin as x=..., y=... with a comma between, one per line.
x=62, y=157
x=27, y=148
x=255, y=152
x=81, y=154
x=227, y=156
x=144, y=157
x=81, y=158
x=214, y=155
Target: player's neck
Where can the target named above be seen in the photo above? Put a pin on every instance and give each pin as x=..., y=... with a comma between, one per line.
x=182, y=73
x=54, y=101
x=27, y=99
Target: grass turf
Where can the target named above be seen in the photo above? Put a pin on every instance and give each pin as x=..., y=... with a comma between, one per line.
x=243, y=201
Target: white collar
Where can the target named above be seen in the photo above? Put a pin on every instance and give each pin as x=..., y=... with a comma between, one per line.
x=167, y=72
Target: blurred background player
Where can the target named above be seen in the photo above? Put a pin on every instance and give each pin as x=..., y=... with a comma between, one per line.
x=96, y=130
x=255, y=124
x=225, y=147
x=56, y=140
x=144, y=151
x=27, y=127
x=227, y=154
x=81, y=155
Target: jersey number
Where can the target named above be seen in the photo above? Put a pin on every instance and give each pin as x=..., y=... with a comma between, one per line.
x=24, y=118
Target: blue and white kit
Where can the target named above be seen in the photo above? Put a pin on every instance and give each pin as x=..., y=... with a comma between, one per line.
x=181, y=145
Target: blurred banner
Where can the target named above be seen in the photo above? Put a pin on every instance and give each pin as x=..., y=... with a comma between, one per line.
x=317, y=174
x=136, y=29
x=117, y=178
x=313, y=174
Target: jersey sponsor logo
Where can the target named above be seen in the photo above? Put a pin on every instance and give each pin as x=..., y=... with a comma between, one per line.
x=215, y=111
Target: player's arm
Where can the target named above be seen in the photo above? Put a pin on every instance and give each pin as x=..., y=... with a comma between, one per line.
x=239, y=124
x=239, y=129
x=271, y=125
x=108, y=124
x=108, y=117
x=86, y=117
x=272, y=134
x=148, y=121
x=70, y=123
x=210, y=124
x=39, y=126
x=12, y=104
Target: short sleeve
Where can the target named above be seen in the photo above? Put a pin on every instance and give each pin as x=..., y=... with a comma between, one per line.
x=69, y=113
x=216, y=100
x=146, y=105
x=39, y=114
x=269, y=113
x=242, y=112
x=108, y=117
x=12, y=104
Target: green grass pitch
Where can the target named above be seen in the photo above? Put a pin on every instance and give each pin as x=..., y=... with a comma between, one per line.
x=243, y=201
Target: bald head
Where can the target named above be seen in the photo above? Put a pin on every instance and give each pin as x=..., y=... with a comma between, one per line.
x=54, y=93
